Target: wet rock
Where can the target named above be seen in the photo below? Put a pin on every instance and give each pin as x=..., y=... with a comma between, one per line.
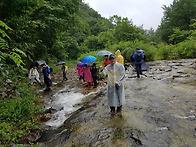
x=134, y=105
x=45, y=117
x=187, y=64
x=161, y=119
x=158, y=138
x=156, y=113
x=158, y=105
x=3, y=95
x=180, y=76
x=186, y=146
x=175, y=67
x=183, y=71
x=194, y=132
x=60, y=138
x=31, y=137
x=94, y=138
x=135, y=136
x=54, y=109
x=168, y=70
x=81, y=117
x=174, y=64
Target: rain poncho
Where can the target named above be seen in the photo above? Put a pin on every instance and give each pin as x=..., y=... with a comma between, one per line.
x=119, y=57
x=33, y=75
x=87, y=74
x=116, y=74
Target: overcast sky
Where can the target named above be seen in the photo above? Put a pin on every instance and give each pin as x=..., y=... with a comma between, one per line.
x=142, y=12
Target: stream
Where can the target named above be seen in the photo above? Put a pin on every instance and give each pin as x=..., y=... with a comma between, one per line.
x=160, y=110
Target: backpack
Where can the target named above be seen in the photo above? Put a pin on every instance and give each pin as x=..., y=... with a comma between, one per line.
x=51, y=69
x=66, y=68
x=139, y=57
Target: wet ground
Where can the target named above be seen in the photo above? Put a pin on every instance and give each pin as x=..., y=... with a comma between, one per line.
x=160, y=111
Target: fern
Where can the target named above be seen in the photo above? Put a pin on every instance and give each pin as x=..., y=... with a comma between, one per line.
x=2, y=32
x=19, y=51
x=17, y=59
x=15, y=54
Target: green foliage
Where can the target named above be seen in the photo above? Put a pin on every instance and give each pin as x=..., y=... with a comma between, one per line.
x=107, y=38
x=2, y=32
x=92, y=43
x=178, y=15
x=178, y=36
x=128, y=48
x=16, y=115
x=126, y=31
x=6, y=53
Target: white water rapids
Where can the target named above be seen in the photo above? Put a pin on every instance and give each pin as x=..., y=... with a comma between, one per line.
x=67, y=100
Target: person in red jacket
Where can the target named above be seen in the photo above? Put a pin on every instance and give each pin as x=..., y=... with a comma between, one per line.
x=106, y=61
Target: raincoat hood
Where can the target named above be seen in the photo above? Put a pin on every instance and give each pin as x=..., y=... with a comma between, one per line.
x=117, y=52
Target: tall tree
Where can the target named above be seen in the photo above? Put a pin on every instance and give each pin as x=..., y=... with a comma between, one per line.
x=177, y=15
x=125, y=30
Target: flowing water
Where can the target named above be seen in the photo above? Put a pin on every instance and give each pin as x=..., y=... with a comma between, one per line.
x=66, y=101
x=160, y=111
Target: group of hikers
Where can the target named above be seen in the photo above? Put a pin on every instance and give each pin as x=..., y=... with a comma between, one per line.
x=34, y=75
x=114, y=71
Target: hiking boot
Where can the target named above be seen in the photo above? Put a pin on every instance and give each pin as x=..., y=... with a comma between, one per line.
x=119, y=114
x=112, y=114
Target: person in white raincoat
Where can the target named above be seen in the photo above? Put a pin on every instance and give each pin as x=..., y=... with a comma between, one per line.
x=116, y=95
x=34, y=76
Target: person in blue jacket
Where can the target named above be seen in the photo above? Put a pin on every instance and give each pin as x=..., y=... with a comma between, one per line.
x=47, y=78
x=138, y=57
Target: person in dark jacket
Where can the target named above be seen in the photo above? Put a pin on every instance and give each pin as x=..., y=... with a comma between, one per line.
x=94, y=74
x=138, y=60
x=64, y=69
x=47, y=77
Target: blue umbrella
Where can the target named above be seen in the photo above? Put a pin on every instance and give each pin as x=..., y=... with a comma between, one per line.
x=103, y=53
x=88, y=59
x=60, y=63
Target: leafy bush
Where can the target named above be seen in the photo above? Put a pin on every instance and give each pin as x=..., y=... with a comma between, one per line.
x=16, y=115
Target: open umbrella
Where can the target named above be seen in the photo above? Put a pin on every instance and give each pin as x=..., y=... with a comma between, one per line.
x=60, y=63
x=80, y=64
x=39, y=62
x=103, y=53
x=144, y=66
x=88, y=59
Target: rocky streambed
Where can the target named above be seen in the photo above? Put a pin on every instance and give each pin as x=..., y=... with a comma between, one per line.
x=160, y=111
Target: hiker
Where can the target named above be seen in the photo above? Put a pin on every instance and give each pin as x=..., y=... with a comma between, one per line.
x=47, y=77
x=64, y=69
x=94, y=74
x=138, y=60
x=115, y=73
x=34, y=76
x=119, y=57
x=87, y=74
x=80, y=73
x=106, y=61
